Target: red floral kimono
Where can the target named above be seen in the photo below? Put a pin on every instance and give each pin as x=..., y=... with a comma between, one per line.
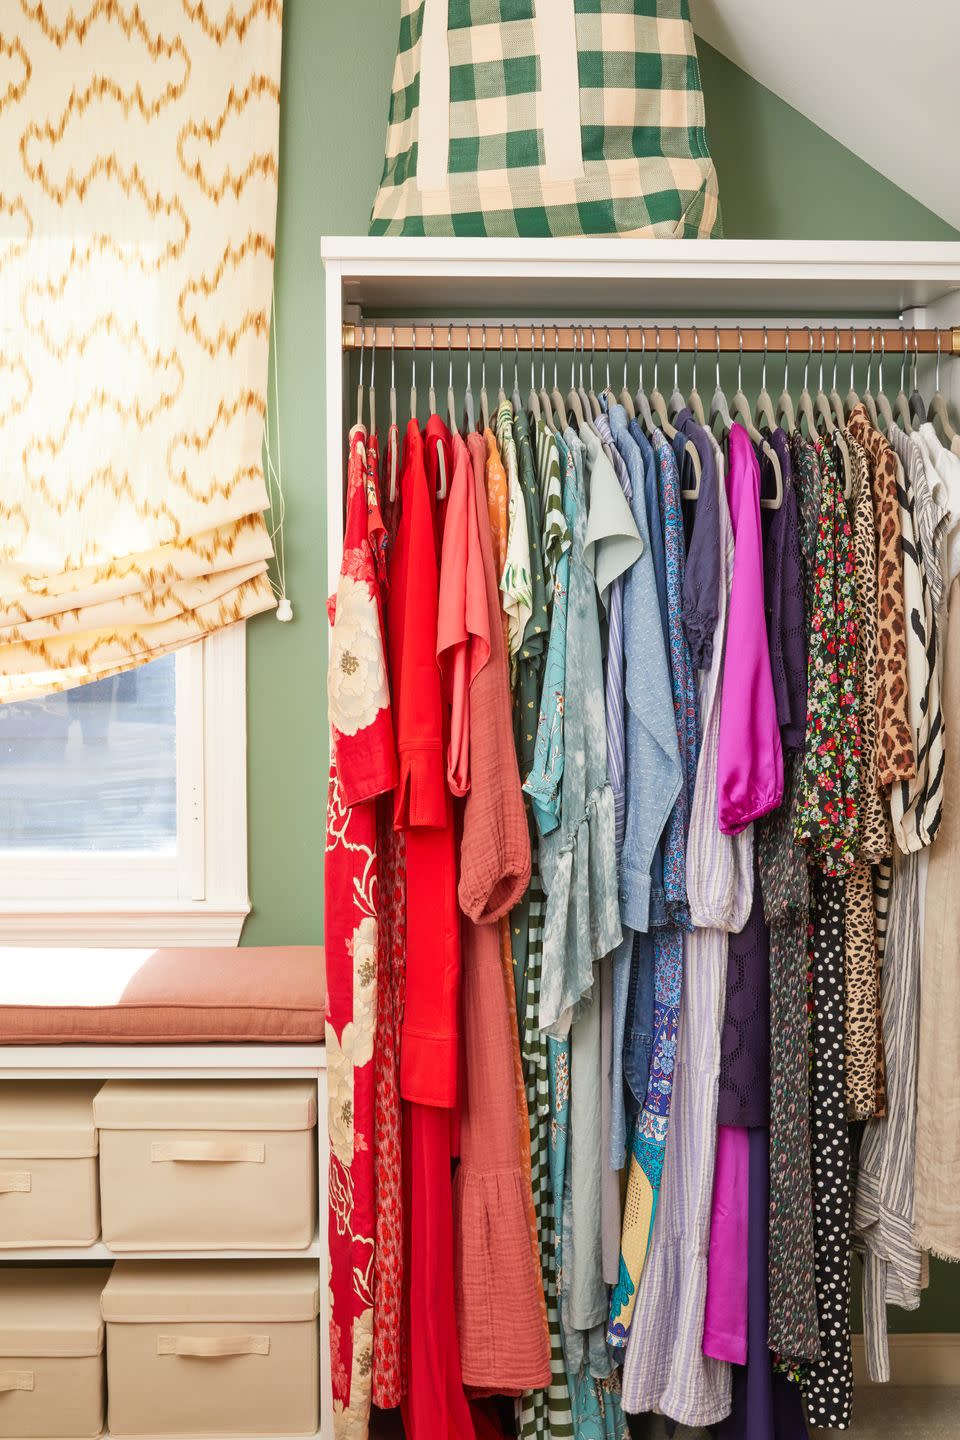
x=363, y=766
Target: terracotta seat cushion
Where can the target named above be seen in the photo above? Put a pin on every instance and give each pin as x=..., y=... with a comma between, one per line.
x=156, y=997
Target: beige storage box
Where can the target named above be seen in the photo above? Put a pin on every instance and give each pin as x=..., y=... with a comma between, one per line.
x=208, y=1165
x=51, y=1351
x=48, y=1164
x=213, y=1347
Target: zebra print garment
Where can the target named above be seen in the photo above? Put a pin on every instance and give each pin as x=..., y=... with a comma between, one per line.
x=916, y=805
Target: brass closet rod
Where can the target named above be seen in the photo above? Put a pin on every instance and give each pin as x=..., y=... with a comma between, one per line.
x=801, y=339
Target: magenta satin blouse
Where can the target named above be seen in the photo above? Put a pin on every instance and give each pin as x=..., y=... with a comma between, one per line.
x=750, y=758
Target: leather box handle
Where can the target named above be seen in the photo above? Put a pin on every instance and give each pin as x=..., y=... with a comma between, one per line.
x=15, y=1380
x=212, y=1347
x=217, y=1152
x=15, y=1182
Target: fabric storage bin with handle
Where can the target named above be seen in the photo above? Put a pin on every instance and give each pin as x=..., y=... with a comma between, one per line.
x=48, y=1164
x=204, y=1165
x=213, y=1347
x=547, y=117
x=51, y=1351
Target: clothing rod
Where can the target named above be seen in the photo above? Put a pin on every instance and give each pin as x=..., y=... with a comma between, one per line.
x=424, y=335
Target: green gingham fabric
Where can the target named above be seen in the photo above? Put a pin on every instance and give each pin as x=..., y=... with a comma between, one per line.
x=646, y=163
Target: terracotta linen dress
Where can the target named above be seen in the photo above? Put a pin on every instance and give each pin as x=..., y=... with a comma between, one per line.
x=501, y=1312
x=363, y=765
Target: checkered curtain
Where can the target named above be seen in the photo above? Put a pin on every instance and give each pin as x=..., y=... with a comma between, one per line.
x=547, y=117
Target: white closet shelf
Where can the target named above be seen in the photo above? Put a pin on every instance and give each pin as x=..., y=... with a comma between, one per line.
x=99, y=1252
x=642, y=277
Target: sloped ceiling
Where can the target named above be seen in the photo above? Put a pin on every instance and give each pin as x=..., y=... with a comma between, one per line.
x=880, y=76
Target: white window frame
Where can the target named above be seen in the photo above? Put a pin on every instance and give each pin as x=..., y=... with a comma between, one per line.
x=197, y=896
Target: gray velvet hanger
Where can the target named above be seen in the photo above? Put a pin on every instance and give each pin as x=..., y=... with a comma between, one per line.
x=938, y=413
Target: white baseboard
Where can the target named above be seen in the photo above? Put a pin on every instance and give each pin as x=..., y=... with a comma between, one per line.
x=915, y=1360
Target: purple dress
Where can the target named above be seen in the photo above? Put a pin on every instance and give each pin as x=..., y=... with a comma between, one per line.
x=750, y=761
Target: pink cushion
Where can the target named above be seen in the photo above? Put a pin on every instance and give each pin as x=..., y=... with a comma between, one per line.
x=160, y=997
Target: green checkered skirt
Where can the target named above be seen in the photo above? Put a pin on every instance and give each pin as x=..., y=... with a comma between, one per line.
x=547, y=117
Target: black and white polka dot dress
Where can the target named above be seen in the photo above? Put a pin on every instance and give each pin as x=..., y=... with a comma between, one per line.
x=829, y=1384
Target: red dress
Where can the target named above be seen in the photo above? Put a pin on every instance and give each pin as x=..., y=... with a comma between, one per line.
x=363, y=766
x=435, y=1407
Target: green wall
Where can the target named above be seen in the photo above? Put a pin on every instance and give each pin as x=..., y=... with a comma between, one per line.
x=780, y=177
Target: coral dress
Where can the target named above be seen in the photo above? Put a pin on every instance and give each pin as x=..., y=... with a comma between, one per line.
x=501, y=1313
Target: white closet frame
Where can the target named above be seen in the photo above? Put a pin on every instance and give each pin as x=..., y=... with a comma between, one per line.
x=705, y=280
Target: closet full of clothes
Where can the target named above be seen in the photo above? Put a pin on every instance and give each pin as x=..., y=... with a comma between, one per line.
x=639, y=841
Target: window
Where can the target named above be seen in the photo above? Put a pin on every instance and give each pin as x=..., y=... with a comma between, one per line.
x=123, y=805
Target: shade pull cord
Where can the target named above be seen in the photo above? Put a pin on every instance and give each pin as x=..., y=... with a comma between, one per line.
x=274, y=473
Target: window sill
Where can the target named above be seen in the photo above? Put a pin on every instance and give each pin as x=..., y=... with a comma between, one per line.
x=155, y=924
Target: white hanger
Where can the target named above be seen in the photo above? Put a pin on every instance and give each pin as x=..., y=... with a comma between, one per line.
x=785, y=410
x=938, y=413
x=556, y=398
x=764, y=410
x=626, y=399
x=484, y=402
x=693, y=400
x=469, y=414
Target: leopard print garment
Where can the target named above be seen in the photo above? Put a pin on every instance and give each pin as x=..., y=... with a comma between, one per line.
x=863, y=1059
x=897, y=759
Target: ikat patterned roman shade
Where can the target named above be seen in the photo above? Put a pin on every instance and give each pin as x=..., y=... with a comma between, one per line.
x=138, y=194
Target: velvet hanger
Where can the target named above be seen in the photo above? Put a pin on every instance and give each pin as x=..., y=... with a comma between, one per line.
x=484, y=402
x=626, y=399
x=740, y=411
x=785, y=413
x=764, y=411
x=938, y=413
x=643, y=404
x=918, y=411
x=869, y=403
x=556, y=398
x=693, y=399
